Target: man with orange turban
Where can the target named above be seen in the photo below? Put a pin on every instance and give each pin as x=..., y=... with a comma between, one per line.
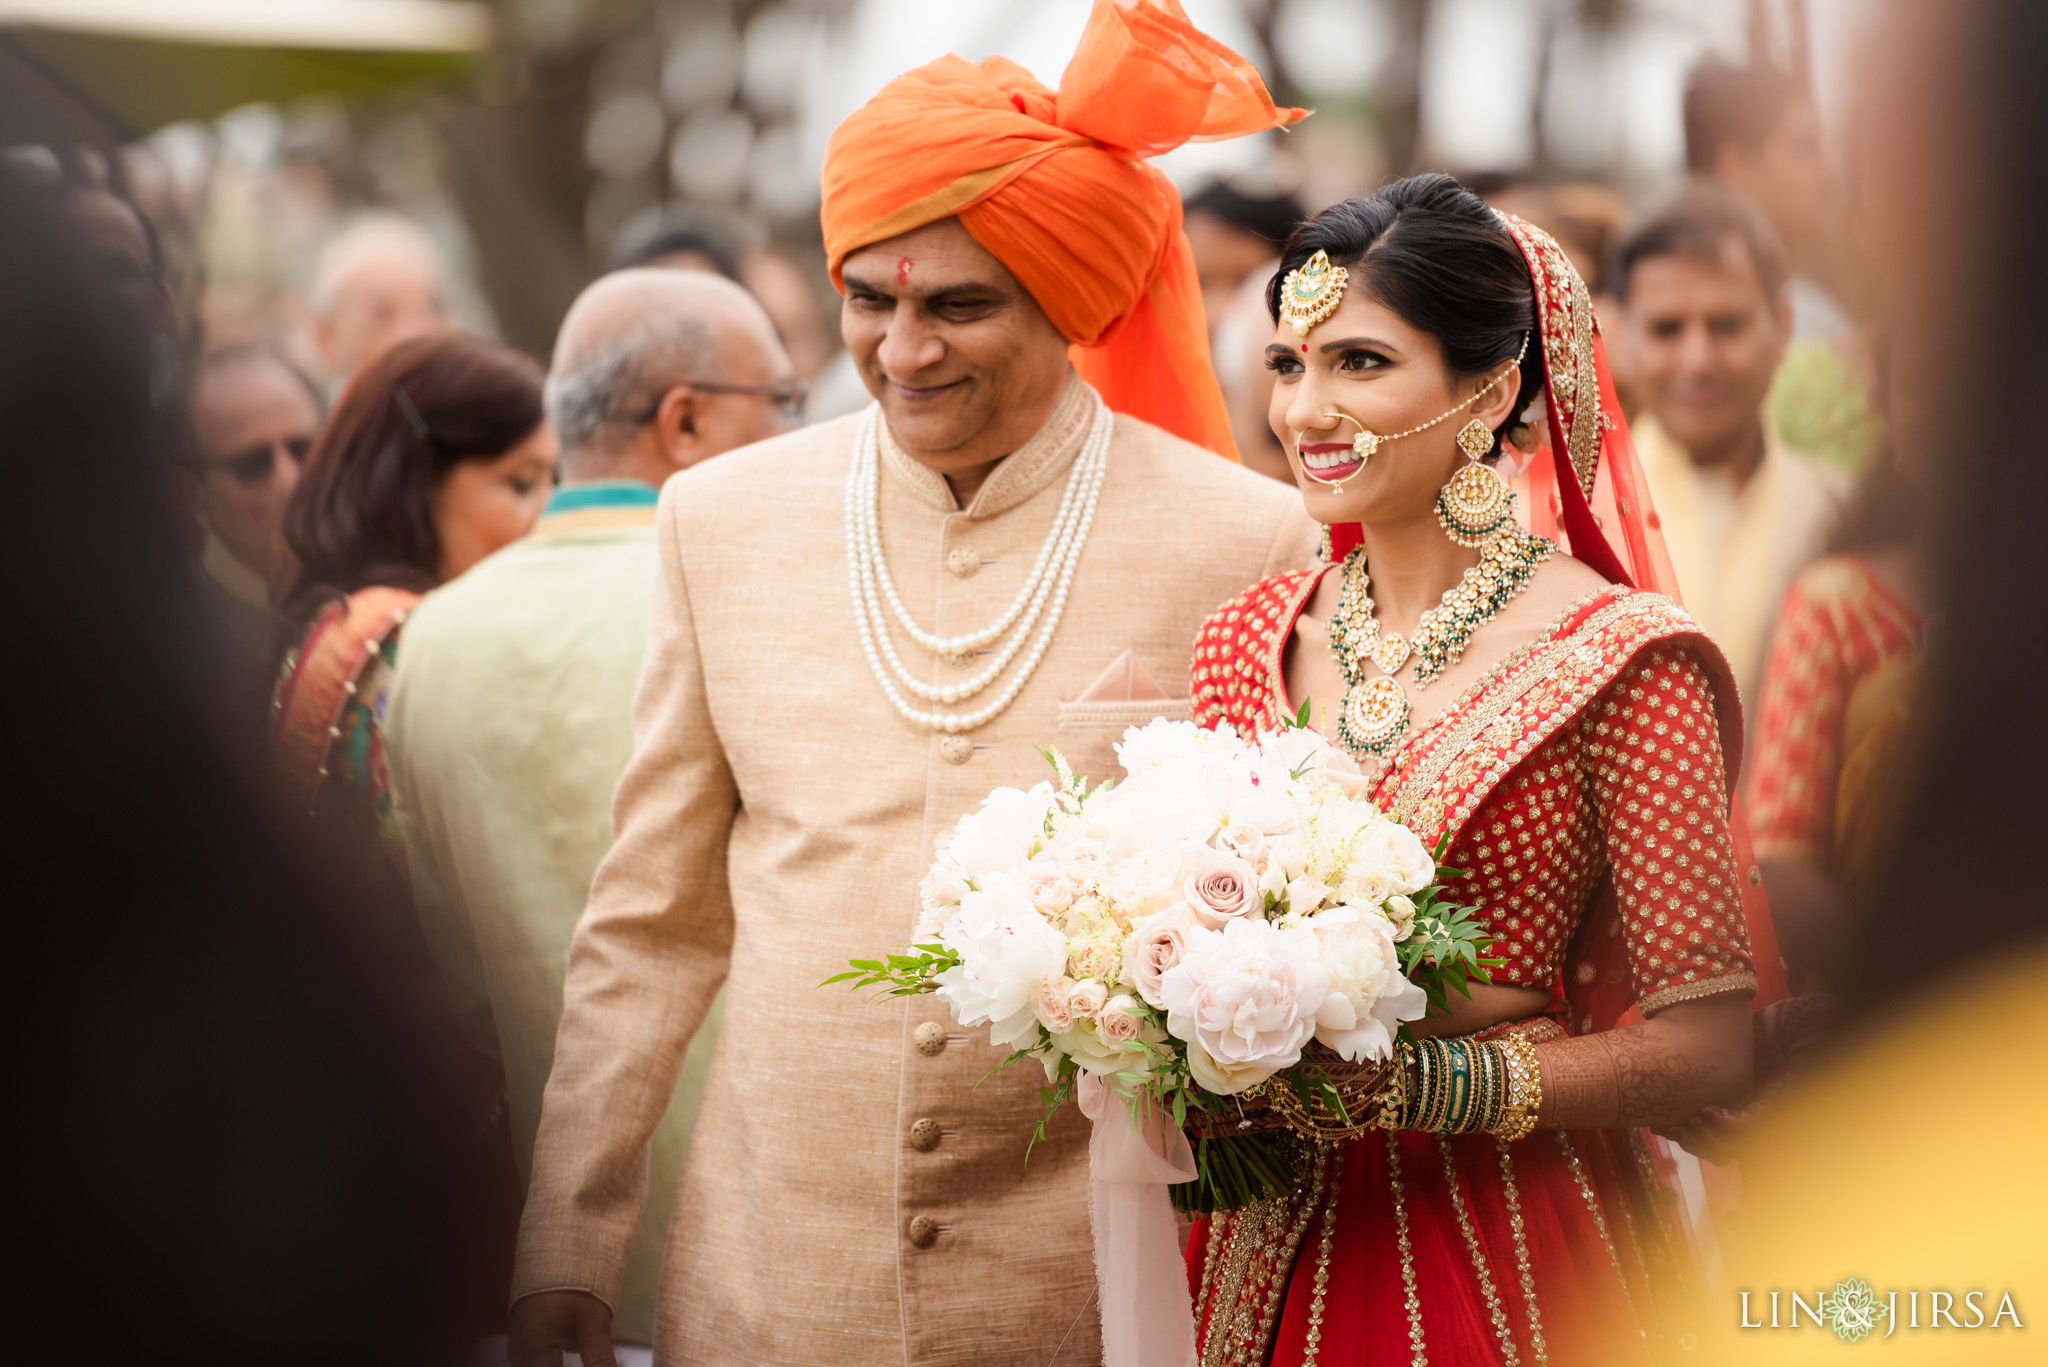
x=859, y=630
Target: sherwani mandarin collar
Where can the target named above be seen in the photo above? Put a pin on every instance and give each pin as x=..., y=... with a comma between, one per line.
x=1025, y=471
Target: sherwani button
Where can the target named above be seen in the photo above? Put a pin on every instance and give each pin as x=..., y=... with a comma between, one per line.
x=955, y=748
x=924, y=1135
x=930, y=1038
x=924, y=1231
x=964, y=562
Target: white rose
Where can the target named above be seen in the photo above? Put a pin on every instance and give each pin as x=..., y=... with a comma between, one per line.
x=1305, y=894
x=1085, y=862
x=1002, y=834
x=1006, y=950
x=1048, y=890
x=1401, y=913
x=1155, y=945
x=1086, y=999
x=1246, y=841
x=1219, y=888
x=945, y=883
x=1092, y=1047
x=1392, y=848
x=1369, y=997
x=1302, y=750
x=930, y=922
x=1224, y=1079
x=1247, y=994
x=1145, y=883
x=1365, y=887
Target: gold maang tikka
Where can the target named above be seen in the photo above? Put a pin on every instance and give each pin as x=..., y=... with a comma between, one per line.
x=1311, y=292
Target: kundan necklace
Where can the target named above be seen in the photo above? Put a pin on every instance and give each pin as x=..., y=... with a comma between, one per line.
x=1044, y=594
x=1374, y=713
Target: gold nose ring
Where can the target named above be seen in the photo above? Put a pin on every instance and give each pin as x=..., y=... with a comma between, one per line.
x=1365, y=443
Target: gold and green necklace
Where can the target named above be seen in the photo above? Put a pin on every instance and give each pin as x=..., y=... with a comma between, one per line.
x=1374, y=714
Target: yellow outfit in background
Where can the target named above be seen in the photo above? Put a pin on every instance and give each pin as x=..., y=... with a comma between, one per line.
x=1736, y=550
x=510, y=723
x=1914, y=1163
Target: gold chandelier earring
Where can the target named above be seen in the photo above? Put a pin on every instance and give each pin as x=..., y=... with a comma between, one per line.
x=1476, y=502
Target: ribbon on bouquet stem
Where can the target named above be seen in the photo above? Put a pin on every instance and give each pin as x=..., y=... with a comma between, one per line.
x=1134, y=1153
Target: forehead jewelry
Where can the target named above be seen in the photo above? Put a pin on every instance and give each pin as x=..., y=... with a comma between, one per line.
x=1367, y=442
x=1311, y=292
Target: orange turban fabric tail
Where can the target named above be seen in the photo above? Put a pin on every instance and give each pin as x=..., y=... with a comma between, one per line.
x=1055, y=186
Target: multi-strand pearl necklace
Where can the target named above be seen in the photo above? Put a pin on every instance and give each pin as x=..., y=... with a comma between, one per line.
x=1044, y=593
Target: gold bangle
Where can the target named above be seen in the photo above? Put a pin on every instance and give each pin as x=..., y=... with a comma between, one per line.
x=1368, y=1102
x=1525, y=1087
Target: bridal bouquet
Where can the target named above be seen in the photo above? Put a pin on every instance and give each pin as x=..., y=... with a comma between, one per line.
x=1183, y=934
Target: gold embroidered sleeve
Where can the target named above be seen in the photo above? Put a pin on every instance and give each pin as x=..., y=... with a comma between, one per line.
x=1656, y=774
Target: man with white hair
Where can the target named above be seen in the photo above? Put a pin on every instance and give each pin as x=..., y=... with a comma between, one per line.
x=379, y=281
x=510, y=721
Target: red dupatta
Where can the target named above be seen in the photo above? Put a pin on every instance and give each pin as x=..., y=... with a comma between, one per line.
x=1590, y=482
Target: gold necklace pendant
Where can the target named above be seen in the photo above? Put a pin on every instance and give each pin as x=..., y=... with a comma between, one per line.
x=1376, y=713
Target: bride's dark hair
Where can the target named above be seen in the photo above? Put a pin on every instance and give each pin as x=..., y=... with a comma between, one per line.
x=1430, y=250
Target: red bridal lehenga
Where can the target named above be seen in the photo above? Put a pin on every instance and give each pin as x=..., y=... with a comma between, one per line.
x=1585, y=783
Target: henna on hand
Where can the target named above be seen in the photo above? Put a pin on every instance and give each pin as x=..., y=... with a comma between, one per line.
x=1659, y=1073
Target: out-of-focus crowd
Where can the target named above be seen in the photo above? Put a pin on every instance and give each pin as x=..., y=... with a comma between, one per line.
x=410, y=577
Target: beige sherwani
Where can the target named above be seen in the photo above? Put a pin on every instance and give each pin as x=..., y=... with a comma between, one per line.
x=774, y=822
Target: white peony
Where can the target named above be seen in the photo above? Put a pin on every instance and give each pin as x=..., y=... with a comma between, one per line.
x=1006, y=951
x=1161, y=745
x=1369, y=997
x=1145, y=883
x=1247, y=995
x=1003, y=834
x=1391, y=848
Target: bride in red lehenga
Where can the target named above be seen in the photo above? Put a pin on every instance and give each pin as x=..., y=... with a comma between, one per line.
x=1571, y=731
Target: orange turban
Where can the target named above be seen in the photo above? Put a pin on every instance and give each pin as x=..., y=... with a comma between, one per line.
x=1054, y=186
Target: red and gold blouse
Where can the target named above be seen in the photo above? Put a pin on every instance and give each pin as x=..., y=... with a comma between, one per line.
x=1596, y=748
x=1840, y=625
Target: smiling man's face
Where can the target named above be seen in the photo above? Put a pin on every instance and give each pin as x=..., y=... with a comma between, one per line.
x=964, y=362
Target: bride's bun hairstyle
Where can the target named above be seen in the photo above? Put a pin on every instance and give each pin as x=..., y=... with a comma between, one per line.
x=1431, y=251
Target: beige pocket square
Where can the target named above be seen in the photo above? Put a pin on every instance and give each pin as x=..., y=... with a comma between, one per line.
x=1126, y=680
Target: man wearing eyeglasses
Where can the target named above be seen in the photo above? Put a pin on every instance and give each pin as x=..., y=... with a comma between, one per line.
x=511, y=717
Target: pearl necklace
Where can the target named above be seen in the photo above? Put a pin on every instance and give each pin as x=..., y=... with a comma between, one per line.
x=1044, y=591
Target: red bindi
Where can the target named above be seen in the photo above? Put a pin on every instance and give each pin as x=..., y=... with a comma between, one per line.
x=1304, y=348
x=903, y=271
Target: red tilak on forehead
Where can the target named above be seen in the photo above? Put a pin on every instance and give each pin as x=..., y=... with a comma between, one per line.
x=903, y=270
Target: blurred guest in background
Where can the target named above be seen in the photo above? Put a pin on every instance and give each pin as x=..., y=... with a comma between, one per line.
x=673, y=237
x=1913, y=1161
x=1236, y=230
x=1828, y=773
x=511, y=719
x=437, y=455
x=1753, y=132
x=252, y=1152
x=379, y=281
x=1702, y=283
x=253, y=419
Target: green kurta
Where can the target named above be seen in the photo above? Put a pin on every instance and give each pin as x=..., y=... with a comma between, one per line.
x=509, y=725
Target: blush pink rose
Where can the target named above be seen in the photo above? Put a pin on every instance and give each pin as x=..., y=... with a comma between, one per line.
x=1053, y=1004
x=1088, y=998
x=1219, y=888
x=1119, y=1022
x=1051, y=893
x=1155, y=945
